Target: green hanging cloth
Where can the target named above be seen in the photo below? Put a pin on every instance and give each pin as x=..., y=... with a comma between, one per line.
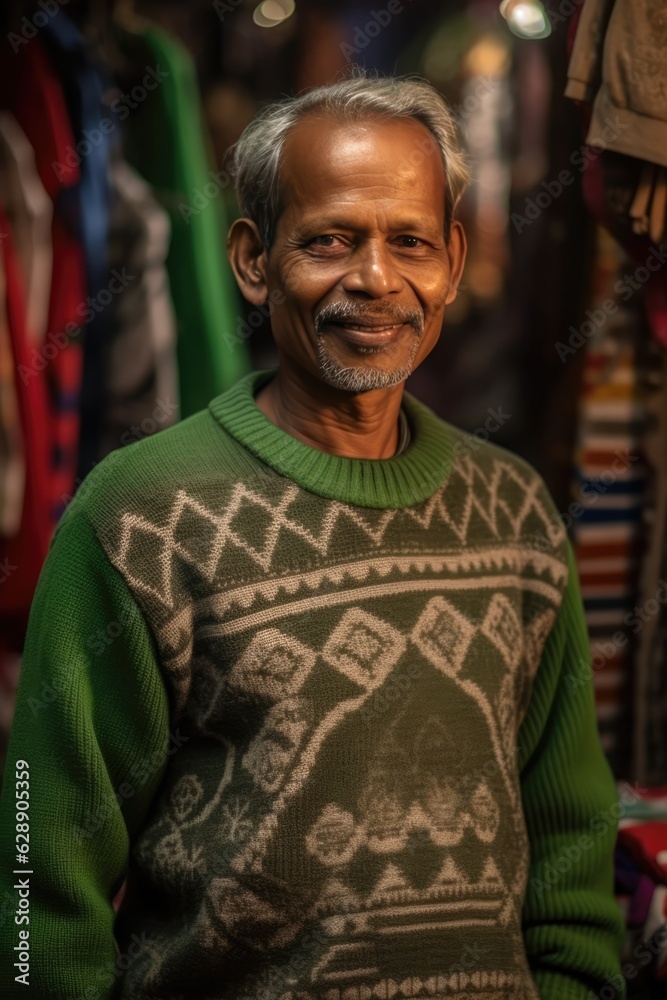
x=164, y=139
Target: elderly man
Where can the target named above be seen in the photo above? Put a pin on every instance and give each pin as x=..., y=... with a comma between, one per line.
x=307, y=667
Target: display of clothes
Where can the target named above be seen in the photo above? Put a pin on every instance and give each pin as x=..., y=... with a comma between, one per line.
x=618, y=74
x=141, y=365
x=618, y=63
x=211, y=354
x=609, y=489
x=118, y=310
x=641, y=884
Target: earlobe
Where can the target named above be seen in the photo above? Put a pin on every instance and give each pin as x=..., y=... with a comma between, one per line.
x=247, y=257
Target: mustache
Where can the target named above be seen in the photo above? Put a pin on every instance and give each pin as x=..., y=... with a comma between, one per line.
x=338, y=312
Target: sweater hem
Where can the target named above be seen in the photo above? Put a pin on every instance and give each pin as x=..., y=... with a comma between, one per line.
x=641, y=137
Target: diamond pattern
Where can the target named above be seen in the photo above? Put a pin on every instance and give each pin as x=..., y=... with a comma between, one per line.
x=364, y=647
x=274, y=663
x=443, y=635
x=503, y=628
x=198, y=536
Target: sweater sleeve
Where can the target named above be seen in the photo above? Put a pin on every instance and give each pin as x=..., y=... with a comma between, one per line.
x=86, y=753
x=572, y=925
x=584, y=70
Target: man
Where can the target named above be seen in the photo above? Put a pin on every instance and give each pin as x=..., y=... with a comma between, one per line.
x=307, y=666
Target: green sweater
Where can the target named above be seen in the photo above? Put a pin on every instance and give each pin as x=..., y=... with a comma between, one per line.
x=327, y=716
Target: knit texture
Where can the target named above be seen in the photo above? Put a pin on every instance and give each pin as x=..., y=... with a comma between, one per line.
x=326, y=713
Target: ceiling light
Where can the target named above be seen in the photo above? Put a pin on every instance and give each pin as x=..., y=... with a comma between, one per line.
x=271, y=13
x=526, y=18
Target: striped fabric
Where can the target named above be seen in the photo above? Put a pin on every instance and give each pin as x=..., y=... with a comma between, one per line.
x=610, y=484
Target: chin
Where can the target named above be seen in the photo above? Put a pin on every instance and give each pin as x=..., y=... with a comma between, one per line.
x=363, y=377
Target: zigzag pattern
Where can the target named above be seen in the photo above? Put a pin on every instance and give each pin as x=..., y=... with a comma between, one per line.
x=483, y=494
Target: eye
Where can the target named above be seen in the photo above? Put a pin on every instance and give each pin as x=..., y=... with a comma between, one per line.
x=410, y=241
x=326, y=240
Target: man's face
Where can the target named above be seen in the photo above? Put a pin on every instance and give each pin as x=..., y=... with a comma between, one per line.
x=359, y=252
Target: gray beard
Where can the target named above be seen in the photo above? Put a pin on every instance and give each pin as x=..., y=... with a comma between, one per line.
x=361, y=379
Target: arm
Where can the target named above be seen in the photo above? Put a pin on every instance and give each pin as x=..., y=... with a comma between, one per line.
x=91, y=709
x=572, y=925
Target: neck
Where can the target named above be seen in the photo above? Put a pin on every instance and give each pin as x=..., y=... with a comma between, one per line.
x=351, y=425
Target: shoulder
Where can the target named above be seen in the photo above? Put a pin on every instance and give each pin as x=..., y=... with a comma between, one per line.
x=145, y=475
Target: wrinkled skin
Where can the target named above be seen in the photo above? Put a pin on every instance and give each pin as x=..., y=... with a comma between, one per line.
x=359, y=246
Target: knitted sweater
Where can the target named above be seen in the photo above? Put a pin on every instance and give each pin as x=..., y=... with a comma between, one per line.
x=330, y=717
x=618, y=62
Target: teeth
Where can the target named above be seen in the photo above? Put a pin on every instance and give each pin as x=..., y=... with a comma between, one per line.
x=371, y=329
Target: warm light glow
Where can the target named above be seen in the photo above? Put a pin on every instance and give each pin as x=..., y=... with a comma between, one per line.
x=270, y=13
x=526, y=18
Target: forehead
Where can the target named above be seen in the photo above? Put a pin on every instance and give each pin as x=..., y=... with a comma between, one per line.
x=326, y=162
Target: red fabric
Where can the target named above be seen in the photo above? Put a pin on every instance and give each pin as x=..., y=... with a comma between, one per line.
x=645, y=841
x=30, y=89
x=26, y=551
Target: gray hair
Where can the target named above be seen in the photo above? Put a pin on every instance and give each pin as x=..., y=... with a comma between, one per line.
x=360, y=97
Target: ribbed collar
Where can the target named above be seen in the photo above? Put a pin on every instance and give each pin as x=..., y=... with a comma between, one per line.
x=399, y=481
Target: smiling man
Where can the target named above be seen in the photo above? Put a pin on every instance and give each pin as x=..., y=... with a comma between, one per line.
x=307, y=667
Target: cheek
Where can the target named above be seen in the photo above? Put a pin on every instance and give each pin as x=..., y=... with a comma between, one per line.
x=304, y=286
x=308, y=281
x=431, y=283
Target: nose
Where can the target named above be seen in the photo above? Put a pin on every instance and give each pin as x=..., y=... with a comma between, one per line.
x=373, y=270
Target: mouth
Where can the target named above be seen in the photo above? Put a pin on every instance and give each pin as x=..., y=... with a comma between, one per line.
x=366, y=333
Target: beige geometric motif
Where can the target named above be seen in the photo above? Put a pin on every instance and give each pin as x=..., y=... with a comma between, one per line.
x=335, y=897
x=236, y=822
x=198, y=535
x=443, y=635
x=485, y=813
x=244, y=915
x=383, y=817
x=185, y=796
x=445, y=810
x=535, y=636
x=364, y=648
x=333, y=838
x=442, y=812
x=486, y=492
x=503, y=628
x=170, y=855
x=392, y=882
x=274, y=664
x=450, y=873
x=272, y=751
x=506, y=711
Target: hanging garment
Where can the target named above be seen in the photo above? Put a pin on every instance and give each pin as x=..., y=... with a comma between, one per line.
x=83, y=87
x=609, y=490
x=30, y=214
x=164, y=142
x=618, y=61
x=650, y=717
x=30, y=88
x=12, y=464
x=24, y=552
x=141, y=375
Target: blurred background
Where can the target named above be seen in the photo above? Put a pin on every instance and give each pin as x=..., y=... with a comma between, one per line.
x=119, y=314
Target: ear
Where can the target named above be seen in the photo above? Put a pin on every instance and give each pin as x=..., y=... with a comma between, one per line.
x=457, y=248
x=247, y=256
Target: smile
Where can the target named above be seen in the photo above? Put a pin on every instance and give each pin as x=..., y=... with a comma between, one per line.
x=367, y=334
